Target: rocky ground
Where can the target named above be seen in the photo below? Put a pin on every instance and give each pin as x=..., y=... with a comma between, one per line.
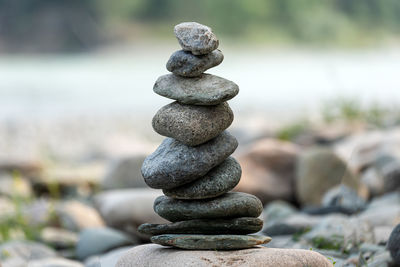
x=71, y=193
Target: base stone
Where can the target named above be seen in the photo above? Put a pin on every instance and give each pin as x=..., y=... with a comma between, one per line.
x=152, y=255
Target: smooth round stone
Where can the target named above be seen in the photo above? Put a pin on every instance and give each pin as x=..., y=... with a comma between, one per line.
x=207, y=242
x=174, y=163
x=156, y=255
x=204, y=90
x=184, y=63
x=394, y=244
x=242, y=226
x=195, y=37
x=192, y=125
x=229, y=205
x=218, y=181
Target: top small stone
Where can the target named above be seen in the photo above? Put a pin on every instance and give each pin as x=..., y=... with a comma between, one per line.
x=196, y=38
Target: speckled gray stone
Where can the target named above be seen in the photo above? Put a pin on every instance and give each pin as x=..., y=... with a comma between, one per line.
x=394, y=244
x=229, y=205
x=210, y=242
x=192, y=125
x=184, y=63
x=204, y=90
x=195, y=37
x=174, y=163
x=237, y=226
x=218, y=181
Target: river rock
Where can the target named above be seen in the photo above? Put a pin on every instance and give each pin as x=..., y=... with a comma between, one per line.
x=55, y=262
x=204, y=90
x=218, y=181
x=192, y=125
x=195, y=37
x=108, y=259
x=244, y=225
x=156, y=255
x=184, y=63
x=229, y=205
x=343, y=197
x=174, y=164
x=25, y=251
x=318, y=170
x=207, y=242
x=394, y=244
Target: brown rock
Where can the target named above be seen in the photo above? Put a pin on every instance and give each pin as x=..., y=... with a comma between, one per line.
x=156, y=255
x=268, y=170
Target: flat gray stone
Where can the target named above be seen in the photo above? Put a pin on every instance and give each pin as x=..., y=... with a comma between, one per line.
x=229, y=205
x=184, y=63
x=238, y=226
x=174, y=163
x=192, y=125
x=195, y=37
x=218, y=181
x=210, y=242
x=204, y=90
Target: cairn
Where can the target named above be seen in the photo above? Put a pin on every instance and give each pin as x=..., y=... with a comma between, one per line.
x=193, y=165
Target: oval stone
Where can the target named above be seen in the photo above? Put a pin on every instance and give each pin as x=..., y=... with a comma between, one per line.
x=192, y=125
x=174, y=163
x=184, y=63
x=195, y=37
x=218, y=181
x=211, y=242
x=204, y=90
x=229, y=205
x=241, y=226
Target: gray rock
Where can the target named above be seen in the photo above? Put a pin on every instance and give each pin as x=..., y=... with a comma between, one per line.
x=192, y=125
x=229, y=205
x=210, y=242
x=394, y=244
x=108, y=259
x=124, y=173
x=184, y=63
x=204, y=90
x=277, y=211
x=58, y=238
x=318, y=170
x=345, y=197
x=381, y=259
x=238, y=226
x=55, y=262
x=174, y=164
x=25, y=250
x=156, y=255
x=216, y=182
x=99, y=240
x=195, y=37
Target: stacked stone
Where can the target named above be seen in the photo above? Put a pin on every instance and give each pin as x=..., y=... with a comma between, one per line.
x=193, y=165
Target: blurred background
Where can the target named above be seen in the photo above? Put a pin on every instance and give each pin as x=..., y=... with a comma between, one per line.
x=76, y=104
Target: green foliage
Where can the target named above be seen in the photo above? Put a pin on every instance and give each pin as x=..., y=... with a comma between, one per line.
x=291, y=131
x=329, y=244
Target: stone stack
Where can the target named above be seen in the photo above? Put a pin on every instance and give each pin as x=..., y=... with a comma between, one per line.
x=193, y=165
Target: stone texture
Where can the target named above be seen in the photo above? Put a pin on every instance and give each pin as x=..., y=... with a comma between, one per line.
x=210, y=242
x=394, y=244
x=25, y=250
x=99, y=240
x=216, y=182
x=184, y=63
x=269, y=170
x=174, y=164
x=318, y=170
x=244, y=225
x=344, y=197
x=156, y=255
x=195, y=37
x=58, y=238
x=192, y=125
x=55, y=262
x=204, y=90
x=108, y=259
x=229, y=205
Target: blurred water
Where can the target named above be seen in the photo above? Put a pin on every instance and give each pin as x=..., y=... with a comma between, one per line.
x=121, y=80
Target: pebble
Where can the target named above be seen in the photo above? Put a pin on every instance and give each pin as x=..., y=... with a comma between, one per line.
x=210, y=242
x=195, y=37
x=218, y=181
x=229, y=205
x=156, y=255
x=204, y=90
x=244, y=225
x=184, y=63
x=174, y=164
x=192, y=125
x=394, y=244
